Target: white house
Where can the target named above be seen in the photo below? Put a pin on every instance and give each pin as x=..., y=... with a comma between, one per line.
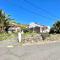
x=39, y=28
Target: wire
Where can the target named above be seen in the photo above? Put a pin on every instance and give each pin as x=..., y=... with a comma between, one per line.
x=33, y=12
x=21, y=7
x=41, y=9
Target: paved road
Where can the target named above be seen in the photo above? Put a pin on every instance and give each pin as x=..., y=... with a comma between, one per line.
x=37, y=52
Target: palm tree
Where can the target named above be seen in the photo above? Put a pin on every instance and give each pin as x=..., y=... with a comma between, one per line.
x=2, y=19
x=5, y=20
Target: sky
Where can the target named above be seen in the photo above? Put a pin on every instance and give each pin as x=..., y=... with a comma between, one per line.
x=44, y=12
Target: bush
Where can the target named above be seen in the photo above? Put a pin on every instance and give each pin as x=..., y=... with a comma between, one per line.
x=44, y=35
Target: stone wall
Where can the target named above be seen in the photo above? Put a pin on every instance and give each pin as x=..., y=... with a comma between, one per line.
x=40, y=37
x=32, y=38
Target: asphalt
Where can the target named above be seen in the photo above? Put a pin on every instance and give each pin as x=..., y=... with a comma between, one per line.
x=49, y=51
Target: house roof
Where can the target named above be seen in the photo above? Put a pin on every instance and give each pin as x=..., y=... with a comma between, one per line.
x=32, y=25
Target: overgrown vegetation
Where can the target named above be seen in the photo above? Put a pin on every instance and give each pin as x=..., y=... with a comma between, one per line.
x=5, y=22
x=6, y=36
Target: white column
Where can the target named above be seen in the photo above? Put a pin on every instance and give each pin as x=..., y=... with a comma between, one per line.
x=19, y=37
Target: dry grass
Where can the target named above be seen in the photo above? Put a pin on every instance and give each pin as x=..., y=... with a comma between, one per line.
x=6, y=36
x=53, y=37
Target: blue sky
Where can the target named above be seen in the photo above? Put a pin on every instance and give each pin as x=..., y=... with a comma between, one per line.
x=44, y=12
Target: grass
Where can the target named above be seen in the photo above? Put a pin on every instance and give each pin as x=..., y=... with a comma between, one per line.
x=28, y=33
x=6, y=36
x=53, y=37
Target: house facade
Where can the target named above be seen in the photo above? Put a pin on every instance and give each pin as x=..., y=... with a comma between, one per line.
x=38, y=28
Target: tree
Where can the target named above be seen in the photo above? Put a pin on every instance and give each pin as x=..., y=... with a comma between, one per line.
x=5, y=20
x=2, y=19
x=55, y=28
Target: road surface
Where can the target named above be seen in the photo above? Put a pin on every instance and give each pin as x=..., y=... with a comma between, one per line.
x=36, y=52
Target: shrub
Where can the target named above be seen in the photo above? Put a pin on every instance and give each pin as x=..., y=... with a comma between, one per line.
x=44, y=35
